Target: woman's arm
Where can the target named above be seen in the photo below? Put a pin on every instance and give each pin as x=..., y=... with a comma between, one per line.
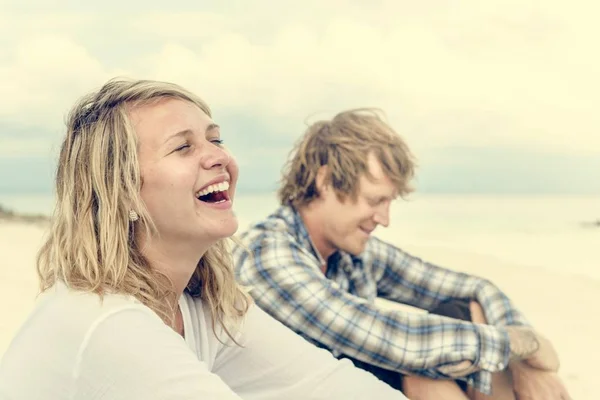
x=276, y=363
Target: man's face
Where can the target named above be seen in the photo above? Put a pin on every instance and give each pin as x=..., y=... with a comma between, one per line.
x=348, y=223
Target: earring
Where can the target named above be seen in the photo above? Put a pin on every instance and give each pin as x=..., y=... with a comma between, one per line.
x=133, y=216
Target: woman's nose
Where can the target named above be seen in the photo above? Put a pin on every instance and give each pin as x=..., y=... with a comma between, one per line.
x=214, y=156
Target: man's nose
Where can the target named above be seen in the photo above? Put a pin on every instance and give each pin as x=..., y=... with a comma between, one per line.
x=382, y=215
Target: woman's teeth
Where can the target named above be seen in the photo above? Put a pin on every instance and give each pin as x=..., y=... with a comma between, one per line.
x=217, y=187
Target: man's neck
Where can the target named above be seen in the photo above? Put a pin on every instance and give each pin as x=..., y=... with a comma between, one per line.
x=314, y=226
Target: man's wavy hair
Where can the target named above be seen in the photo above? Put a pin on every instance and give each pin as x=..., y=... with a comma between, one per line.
x=343, y=144
x=91, y=246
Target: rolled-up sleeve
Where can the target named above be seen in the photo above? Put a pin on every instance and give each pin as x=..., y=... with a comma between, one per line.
x=408, y=279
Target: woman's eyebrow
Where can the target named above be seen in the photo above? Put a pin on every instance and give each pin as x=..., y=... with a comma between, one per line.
x=212, y=127
x=183, y=133
x=189, y=132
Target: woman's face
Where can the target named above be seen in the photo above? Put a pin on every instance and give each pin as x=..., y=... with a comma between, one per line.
x=188, y=177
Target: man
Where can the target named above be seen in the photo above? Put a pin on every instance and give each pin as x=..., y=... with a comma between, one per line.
x=314, y=265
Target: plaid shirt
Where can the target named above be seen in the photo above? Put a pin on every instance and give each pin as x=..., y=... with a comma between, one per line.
x=280, y=264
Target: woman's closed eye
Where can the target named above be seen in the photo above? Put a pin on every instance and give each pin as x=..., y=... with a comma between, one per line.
x=183, y=147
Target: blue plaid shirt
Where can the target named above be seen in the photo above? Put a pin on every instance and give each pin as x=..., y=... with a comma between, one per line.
x=279, y=262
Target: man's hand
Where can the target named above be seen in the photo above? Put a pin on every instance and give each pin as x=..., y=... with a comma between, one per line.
x=532, y=348
x=530, y=383
x=546, y=357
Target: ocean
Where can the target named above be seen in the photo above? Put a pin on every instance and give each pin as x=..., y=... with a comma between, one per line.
x=548, y=232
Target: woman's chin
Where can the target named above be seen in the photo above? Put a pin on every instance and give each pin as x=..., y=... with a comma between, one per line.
x=227, y=229
x=211, y=231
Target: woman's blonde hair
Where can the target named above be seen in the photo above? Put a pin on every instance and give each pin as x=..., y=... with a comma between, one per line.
x=343, y=144
x=91, y=244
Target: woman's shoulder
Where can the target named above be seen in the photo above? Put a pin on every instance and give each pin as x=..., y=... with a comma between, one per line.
x=63, y=327
x=62, y=317
x=83, y=308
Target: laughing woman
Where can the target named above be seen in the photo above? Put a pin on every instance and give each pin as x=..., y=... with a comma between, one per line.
x=138, y=295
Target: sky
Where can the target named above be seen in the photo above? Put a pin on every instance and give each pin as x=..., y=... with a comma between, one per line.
x=498, y=96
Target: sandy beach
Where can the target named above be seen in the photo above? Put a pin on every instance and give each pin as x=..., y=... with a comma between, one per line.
x=557, y=304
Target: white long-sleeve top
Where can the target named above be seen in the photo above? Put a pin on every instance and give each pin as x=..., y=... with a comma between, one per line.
x=73, y=346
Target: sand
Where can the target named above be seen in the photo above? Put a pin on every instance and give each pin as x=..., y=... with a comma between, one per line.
x=19, y=243
x=559, y=305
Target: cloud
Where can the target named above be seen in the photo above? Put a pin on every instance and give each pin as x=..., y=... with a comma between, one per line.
x=184, y=26
x=478, y=66
x=508, y=74
x=44, y=76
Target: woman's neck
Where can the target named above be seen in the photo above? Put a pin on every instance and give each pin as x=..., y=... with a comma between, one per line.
x=177, y=261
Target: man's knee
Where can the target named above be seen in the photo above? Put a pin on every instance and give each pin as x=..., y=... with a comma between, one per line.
x=477, y=314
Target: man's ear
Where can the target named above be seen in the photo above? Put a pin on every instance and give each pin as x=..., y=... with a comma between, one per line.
x=320, y=179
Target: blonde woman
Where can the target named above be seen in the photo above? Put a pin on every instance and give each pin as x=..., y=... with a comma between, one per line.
x=138, y=295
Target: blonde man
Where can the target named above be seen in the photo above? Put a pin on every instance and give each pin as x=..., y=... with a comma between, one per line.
x=314, y=265
x=139, y=296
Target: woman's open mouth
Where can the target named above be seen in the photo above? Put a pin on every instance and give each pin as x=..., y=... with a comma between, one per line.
x=217, y=193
